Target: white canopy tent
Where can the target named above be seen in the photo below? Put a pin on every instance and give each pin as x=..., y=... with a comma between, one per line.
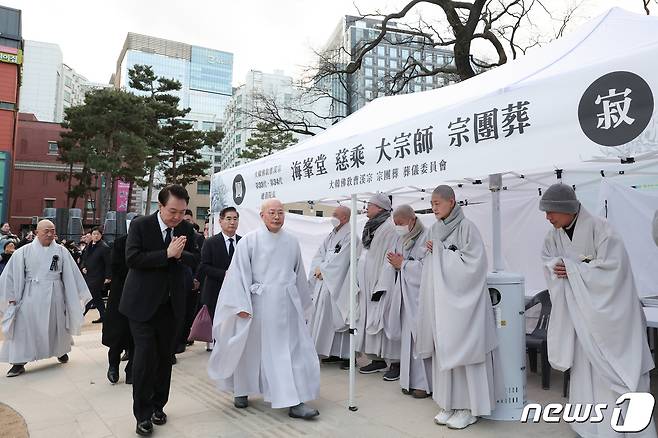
x=582, y=103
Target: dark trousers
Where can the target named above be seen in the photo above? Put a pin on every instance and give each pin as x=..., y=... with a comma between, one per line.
x=191, y=306
x=151, y=365
x=114, y=358
x=96, y=301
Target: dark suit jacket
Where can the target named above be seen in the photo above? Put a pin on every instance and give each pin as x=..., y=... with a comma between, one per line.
x=151, y=275
x=213, y=267
x=98, y=265
x=116, y=331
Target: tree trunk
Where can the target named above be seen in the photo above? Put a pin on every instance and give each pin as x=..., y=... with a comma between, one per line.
x=68, y=192
x=149, y=191
x=462, y=51
x=130, y=196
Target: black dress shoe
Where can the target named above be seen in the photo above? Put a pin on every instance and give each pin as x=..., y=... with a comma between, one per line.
x=97, y=321
x=113, y=375
x=144, y=428
x=63, y=359
x=129, y=379
x=159, y=417
x=15, y=370
x=180, y=348
x=241, y=402
x=173, y=359
x=189, y=343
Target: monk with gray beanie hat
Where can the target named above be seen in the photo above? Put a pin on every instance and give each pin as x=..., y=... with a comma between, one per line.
x=560, y=198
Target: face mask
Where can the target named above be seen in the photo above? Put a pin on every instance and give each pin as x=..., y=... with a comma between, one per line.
x=334, y=222
x=401, y=229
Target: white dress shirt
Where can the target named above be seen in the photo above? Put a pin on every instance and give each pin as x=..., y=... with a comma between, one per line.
x=227, y=243
x=163, y=228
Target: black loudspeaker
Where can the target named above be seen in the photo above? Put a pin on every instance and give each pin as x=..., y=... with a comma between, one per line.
x=110, y=227
x=75, y=224
x=121, y=229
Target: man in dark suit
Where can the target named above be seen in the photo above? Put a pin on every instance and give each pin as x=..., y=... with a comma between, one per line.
x=216, y=257
x=97, y=269
x=158, y=249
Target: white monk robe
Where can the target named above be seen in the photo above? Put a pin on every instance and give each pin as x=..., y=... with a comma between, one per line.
x=272, y=352
x=371, y=337
x=49, y=303
x=597, y=327
x=329, y=327
x=456, y=324
x=415, y=373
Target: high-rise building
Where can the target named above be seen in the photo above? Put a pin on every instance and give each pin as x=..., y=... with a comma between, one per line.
x=353, y=91
x=11, y=58
x=49, y=86
x=205, y=76
x=239, y=122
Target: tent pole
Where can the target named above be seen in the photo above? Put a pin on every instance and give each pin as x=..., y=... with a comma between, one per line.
x=495, y=185
x=352, y=403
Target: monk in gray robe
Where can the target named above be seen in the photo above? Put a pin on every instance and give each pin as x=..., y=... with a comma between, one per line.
x=42, y=299
x=456, y=324
x=597, y=329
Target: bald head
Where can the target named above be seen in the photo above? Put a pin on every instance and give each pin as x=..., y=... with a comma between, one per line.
x=45, y=232
x=443, y=201
x=404, y=212
x=343, y=214
x=272, y=214
x=445, y=192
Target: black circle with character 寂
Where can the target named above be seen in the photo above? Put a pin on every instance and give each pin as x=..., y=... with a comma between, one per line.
x=615, y=108
x=239, y=189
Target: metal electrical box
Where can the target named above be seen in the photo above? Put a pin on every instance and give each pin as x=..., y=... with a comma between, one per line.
x=507, y=293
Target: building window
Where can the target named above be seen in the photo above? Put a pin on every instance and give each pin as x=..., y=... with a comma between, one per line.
x=53, y=149
x=238, y=137
x=7, y=106
x=405, y=53
x=203, y=188
x=393, y=51
x=393, y=63
x=368, y=60
x=368, y=83
x=201, y=213
x=218, y=169
x=381, y=63
x=208, y=126
x=49, y=202
x=381, y=51
x=368, y=72
x=301, y=212
x=319, y=213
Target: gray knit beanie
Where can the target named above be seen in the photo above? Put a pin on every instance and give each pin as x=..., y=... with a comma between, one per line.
x=559, y=198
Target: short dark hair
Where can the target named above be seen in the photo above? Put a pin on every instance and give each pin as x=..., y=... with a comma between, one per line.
x=196, y=226
x=175, y=190
x=99, y=229
x=228, y=210
x=188, y=212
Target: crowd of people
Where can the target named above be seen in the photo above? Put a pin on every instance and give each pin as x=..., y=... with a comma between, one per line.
x=424, y=314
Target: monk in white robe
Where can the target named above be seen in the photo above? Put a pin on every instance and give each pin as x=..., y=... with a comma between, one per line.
x=373, y=298
x=328, y=275
x=597, y=327
x=42, y=300
x=263, y=345
x=406, y=264
x=457, y=327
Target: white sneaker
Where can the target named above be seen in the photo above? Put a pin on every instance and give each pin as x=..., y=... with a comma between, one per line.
x=461, y=419
x=443, y=416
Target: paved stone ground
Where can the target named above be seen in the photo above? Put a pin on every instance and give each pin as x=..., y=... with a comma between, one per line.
x=76, y=400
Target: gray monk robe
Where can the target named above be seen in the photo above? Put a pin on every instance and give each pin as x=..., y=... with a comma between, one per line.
x=456, y=324
x=371, y=336
x=329, y=324
x=597, y=327
x=50, y=296
x=415, y=373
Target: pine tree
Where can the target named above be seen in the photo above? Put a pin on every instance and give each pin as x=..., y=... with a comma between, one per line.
x=265, y=141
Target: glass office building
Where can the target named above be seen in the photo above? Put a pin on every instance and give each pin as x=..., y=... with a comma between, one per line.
x=205, y=75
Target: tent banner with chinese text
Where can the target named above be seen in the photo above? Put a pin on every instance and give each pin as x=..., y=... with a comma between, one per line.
x=602, y=110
